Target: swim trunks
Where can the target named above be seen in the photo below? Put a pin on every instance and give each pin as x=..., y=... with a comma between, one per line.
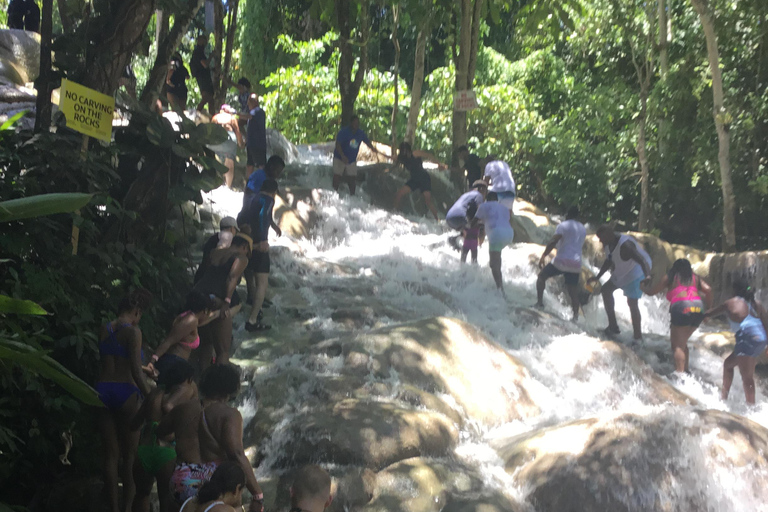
x=632, y=290
x=687, y=313
x=571, y=278
x=187, y=479
x=750, y=341
x=259, y=262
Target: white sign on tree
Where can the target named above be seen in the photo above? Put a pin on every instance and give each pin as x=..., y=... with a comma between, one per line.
x=464, y=100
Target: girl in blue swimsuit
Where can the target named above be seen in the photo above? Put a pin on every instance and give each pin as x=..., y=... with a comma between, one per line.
x=744, y=314
x=120, y=386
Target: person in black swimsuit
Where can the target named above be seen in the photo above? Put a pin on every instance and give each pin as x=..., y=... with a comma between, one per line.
x=420, y=180
x=219, y=281
x=311, y=490
x=176, y=83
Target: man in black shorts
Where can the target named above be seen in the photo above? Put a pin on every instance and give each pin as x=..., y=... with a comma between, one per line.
x=258, y=215
x=199, y=65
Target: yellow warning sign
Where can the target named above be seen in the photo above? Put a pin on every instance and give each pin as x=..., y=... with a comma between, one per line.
x=87, y=111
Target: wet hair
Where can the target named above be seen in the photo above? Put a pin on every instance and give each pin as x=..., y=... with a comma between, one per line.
x=227, y=478
x=572, y=213
x=138, y=299
x=220, y=380
x=492, y=196
x=743, y=289
x=404, y=146
x=244, y=82
x=273, y=164
x=198, y=301
x=311, y=482
x=269, y=186
x=681, y=269
x=175, y=375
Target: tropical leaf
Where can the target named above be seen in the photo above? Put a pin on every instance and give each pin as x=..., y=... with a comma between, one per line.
x=38, y=362
x=40, y=205
x=209, y=133
x=11, y=122
x=160, y=132
x=20, y=307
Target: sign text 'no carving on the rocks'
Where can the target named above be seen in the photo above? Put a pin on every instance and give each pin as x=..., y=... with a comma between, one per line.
x=87, y=111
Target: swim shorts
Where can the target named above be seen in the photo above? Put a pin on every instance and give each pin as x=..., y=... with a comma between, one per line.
x=422, y=183
x=632, y=290
x=571, y=278
x=227, y=149
x=259, y=262
x=750, y=341
x=257, y=157
x=456, y=222
x=187, y=478
x=687, y=313
x=342, y=169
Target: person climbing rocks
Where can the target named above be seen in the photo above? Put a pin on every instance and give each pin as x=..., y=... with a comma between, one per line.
x=471, y=241
x=420, y=181
x=220, y=240
x=273, y=170
x=499, y=175
x=457, y=217
x=219, y=281
x=209, y=432
x=311, y=490
x=155, y=458
x=258, y=215
x=746, y=316
x=176, y=83
x=630, y=267
x=686, y=306
x=183, y=337
x=222, y=493
x=471, y=164
x=569, y=241
x=200, y=66
x=121, y=386
x=256, y=136
x=348, y=142
x=24, y=15
x=495, y=217
x=227, y=150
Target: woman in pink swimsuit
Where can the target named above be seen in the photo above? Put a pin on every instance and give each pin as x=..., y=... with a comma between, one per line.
x=183, y=337
x=686, y=307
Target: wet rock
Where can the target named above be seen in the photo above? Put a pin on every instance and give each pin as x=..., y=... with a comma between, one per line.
x=278, y=145
x=354, y=318
x=372, y=434
x=19, y=55
x=445, y=355
x=673, y=460
x=294, y=211
x=722, y=344
x=531, y=224
x=425, y=485
x=383, y=180
x=354, y=489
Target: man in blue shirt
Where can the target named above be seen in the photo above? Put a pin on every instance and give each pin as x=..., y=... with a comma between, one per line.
x=256, y=136
x=257, y=214
x=348, y=143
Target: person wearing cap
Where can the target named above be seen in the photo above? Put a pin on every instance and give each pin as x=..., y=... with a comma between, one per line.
x=219, y=281
x=499, y=175
x=227, y=150
x=258, y=216
x=220, y=240
x=569, y=241
x=461, y=215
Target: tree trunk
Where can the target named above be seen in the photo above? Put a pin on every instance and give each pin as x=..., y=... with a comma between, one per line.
x=165, y=51
x=115, y=42
x=395, y=76
x=466, y=61
x=721, y=124
x=663, y=69
x=231, y=30
x=349, y=87
x=43, y=85
x=645, y=175
x=67, y=25
x=418, y=82
x=218, y=51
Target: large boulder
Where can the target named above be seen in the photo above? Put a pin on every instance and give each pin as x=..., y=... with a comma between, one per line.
x=675, y=460
x=382, y=181
x=445, y=355
x=294, y=211
x=279, y=145
x=531, y=224
x=424, y=485
x=19, y=56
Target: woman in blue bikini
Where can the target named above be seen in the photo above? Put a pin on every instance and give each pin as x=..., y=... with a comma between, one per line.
x=120, y=386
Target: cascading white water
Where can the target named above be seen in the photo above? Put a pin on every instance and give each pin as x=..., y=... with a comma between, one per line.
x=575, y=376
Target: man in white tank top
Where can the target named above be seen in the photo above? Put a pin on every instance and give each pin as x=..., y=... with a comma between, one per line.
x=630, y=266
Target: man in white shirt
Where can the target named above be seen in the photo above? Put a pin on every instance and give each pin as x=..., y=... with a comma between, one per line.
x=501, y=181
x=569, y=241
